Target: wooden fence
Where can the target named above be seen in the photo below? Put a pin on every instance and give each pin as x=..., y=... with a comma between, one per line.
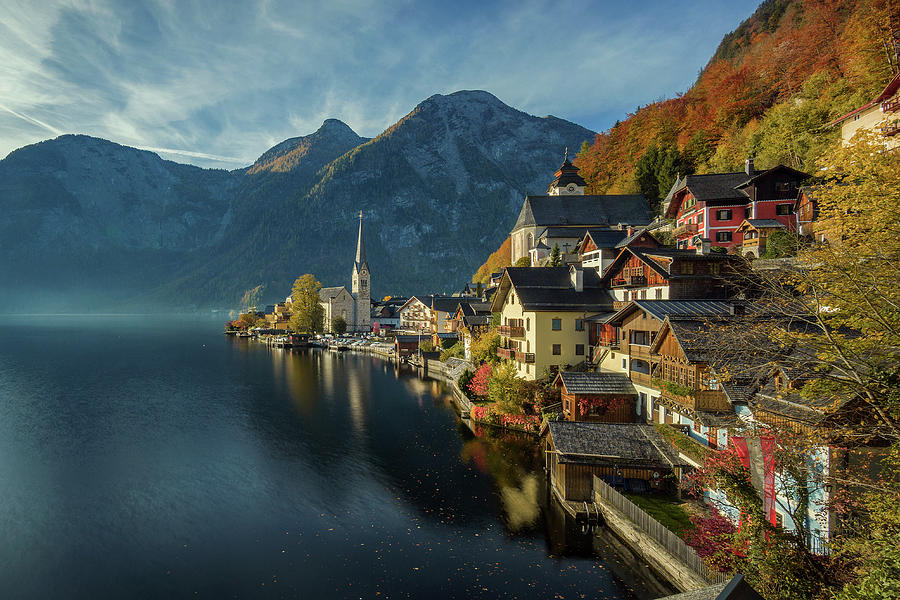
x=673, y=544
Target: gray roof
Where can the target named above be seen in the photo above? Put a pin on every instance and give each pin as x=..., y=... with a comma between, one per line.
x=476, y=320
x=550, y=288
x=638, y=233
x=327, y=293
x=563, y=232
x=606, y=237
x=766, y=223
x=587, y=211
x=736, y=589
x=622, y=443
x=716, y=186
x=597, y=383
x=708, y=593
x=660, y=309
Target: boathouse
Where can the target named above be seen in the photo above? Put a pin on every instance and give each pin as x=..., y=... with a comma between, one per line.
x=603, y=397
x=627, y=456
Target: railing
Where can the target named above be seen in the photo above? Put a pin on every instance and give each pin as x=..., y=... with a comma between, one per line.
x=892, y=128
x=507, y=353
x=639, y=351
x=891, y=105
x=641, y=378
x=686, y=229
x=511, y=331
x=619, y=304
x=673, y=544
x=525, y=357
x=635, y=280
x=705, y=400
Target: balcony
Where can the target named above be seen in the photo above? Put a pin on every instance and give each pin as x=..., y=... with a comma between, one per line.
x=610, y=341
x=639, y=351
x=686, y=230
x=619, y=304
x=890, y=106
x=511, y=331
x=892, y=128
x=639, y=378
x=632, y=281
x=525, y=357
x=698, y=400
x=507, y=353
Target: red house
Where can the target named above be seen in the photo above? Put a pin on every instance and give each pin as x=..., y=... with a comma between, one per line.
x=714, y=205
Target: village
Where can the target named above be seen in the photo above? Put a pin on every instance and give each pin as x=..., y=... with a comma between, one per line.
x=636, y=348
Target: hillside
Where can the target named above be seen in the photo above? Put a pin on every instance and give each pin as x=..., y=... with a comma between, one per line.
x=92, y=225
x=767, y=92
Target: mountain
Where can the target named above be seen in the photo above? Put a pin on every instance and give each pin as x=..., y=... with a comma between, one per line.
x=89, y=224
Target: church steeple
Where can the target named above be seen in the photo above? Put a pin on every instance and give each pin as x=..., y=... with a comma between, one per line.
x=568, y=182
x=360, y=248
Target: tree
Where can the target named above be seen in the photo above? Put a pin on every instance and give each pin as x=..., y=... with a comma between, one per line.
x=555, y=256
x=505, y=388
x=484, y=347
x=338, y=325
x=781, y=244
x=248, y=320
x=525, y=261
x=308, y=313
x=480, y=381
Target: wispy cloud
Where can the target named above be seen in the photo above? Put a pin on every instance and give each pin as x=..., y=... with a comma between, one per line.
x=226, y=80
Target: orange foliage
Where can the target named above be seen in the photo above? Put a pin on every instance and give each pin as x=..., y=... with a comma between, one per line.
x=495, y=262
x=764, y=62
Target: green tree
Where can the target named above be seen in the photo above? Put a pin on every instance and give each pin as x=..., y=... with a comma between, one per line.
x=339, y=325
x=506, y=388
x=525, y=261
x=781, y=244
x=308, y=313
x=656, y=170
x=484, y=347
x=555, y=256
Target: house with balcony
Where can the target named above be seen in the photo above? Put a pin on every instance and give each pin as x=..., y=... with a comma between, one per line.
x=754, y=233
x=599, y=247
x=469, y=320
x=543, y=312
x=415, y=314
x=565, y=212
x=713, y=206
x=881, y=115
x=640, y=273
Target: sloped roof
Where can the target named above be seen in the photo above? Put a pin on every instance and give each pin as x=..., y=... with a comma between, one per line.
x=327, y=293
x=566, y=174
x=446, y=304
x=605, y=237
x=762, y=223
x=646, y=255
x=715, y=186
x=660, y=309
x=634, y=236
x=892, y=87
x=596, y=383
x=624, y=443
x=550, y=288
x=586, y=211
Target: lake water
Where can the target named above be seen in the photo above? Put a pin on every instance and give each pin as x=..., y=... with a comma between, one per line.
x=149, y=457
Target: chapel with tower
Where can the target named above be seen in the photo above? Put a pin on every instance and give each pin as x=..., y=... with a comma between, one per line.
x=355, y=305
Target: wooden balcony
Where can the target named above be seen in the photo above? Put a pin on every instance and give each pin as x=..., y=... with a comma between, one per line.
x=525, y=357
x=507, y=353
x=608, y=342
x=639, y=378
x=634, y=281
x=892, y=128
x=700, y=400
x=619, y=304
x=686, y=230
x=890, y=106
x=640, y=352
x=511, y=331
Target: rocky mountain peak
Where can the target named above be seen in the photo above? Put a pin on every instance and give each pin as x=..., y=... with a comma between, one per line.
x=311, y=151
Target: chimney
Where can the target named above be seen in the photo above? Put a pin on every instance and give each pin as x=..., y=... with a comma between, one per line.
x=748, y=167
x=630, y=231
x=577, y=277
x=704, y=246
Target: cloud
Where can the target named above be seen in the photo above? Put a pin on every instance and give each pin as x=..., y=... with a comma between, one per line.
x=226, y=80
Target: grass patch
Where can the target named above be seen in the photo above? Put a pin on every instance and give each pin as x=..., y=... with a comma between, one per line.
x=668, y=511
x=684, y=443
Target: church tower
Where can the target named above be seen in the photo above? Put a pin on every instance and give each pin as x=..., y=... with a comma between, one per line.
x=360, y=285
x=568, y=182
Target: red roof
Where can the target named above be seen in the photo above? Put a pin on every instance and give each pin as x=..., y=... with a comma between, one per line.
x=888, y=92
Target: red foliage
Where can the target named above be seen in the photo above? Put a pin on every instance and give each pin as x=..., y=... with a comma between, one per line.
x=479, y=383
x=713, y=539
x=602, y=404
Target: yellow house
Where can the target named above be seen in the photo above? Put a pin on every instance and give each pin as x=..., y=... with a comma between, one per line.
x=542, y=316
x=881, y=114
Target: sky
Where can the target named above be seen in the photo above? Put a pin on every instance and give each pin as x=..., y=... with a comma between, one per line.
x=217, y=83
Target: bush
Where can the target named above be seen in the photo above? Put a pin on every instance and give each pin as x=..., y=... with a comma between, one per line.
x=457, y=350
x=426, y=346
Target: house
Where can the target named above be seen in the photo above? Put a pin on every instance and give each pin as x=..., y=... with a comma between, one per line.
x=626, y=455
x=442, y=309
x=408, y=345
x=542, y=316
x=599, y=247
x=882, y=114
x=415, y=314
x=565, y=238
x=755, y=232
x=470, y=320
x=602, y=397
x=562, y=215
x=713, y=206
x=621, y=343
x=690, y=394
x=670, y=274
x=337, y=302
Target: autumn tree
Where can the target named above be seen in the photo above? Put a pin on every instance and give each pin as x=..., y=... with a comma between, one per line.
x=308, y=313
x=525, y=261
x=505, y=388
x=339, y=325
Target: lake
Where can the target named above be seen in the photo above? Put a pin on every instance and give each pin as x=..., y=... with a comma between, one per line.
x=154, y=457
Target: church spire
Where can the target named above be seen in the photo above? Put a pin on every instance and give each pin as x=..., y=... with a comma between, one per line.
x=360, y=246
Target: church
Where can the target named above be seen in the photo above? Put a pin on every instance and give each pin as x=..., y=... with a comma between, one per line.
x=354, y=306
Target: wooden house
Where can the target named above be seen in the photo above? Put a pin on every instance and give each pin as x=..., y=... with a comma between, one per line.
x=713, y=206
x=755, y=232
x=408, y=345
x=599, y=247
x=626, y=455
x=601, y=397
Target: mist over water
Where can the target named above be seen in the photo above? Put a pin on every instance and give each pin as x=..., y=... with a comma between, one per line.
x=148, y=457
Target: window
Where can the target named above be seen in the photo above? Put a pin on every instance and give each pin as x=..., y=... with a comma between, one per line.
x=528, y=324
x=714, y=268
x=625, y=364
x=724, y=214
x=557, y=349
x=557, y=324
x=783, y=209
x=579, y=325
x=700, y=218
x=658, y=293
x=687, y=268
x=723, y=236
x=579, y=349
x=643, y=294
